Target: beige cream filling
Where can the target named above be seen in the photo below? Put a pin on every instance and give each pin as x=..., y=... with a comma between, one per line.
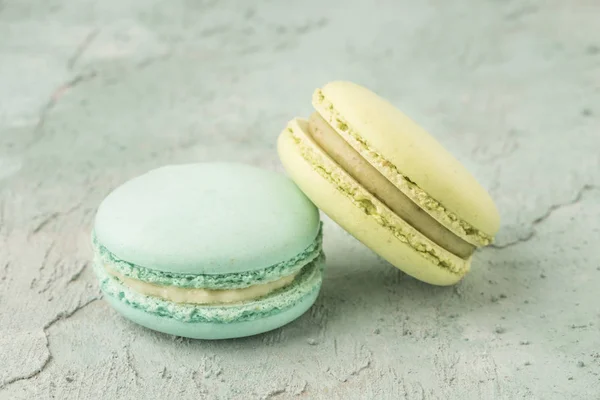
x=372, y=180
x=199, y=295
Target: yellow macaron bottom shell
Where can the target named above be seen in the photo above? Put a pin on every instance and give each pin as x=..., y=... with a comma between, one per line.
x=199, y=295
x=362, y=214
x=433, y=207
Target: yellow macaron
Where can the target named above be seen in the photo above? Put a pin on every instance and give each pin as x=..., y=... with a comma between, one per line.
x=389, y=183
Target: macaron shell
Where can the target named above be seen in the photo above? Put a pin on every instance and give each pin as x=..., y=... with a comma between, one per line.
x=415, y=153
x=358, y=223
x=210, y=218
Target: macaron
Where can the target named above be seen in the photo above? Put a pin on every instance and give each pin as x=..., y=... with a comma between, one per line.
x=389, y=183
x=209, y=251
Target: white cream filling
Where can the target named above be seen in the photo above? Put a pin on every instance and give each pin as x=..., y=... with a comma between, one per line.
x=199, y=295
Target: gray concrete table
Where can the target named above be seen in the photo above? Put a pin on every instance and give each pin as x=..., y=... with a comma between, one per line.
x=93, y=93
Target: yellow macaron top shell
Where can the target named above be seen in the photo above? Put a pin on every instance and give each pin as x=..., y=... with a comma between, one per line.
x=411, y=159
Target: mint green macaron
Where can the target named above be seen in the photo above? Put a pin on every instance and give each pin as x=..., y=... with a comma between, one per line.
x=209, y=251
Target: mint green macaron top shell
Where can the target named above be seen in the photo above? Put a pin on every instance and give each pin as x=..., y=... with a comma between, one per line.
x=211, y=219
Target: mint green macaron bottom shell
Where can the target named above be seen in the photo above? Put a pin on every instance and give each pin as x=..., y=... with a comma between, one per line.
x=221, y=321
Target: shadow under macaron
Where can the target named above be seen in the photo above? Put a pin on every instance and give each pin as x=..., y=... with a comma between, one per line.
x=362, y=289
x=361, y=286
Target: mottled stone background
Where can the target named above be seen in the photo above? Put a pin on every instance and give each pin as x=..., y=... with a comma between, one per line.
x=93, y=93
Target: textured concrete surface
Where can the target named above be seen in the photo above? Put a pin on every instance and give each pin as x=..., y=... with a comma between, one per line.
x=94, y=93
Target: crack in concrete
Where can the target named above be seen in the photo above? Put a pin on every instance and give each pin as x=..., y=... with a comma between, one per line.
x=50, y=218
x=83, y=46
x=497, y=386
x=45, y=222
x=54, y=98
x=164, y=374
x=61, y=316
x=506, y=245
x=276, y=392
x=412, y=390
x=532, y=232
x=43, y=264
x=361, y=368
x=302, y=390
x=59, y=92
x=75, y=81
x=129, y=361
x=5, y=271
x=343, y=376
x=78, y=273
x=54, y=276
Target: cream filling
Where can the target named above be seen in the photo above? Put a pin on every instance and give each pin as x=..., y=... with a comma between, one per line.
x=202, y=296
x=372, y=180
